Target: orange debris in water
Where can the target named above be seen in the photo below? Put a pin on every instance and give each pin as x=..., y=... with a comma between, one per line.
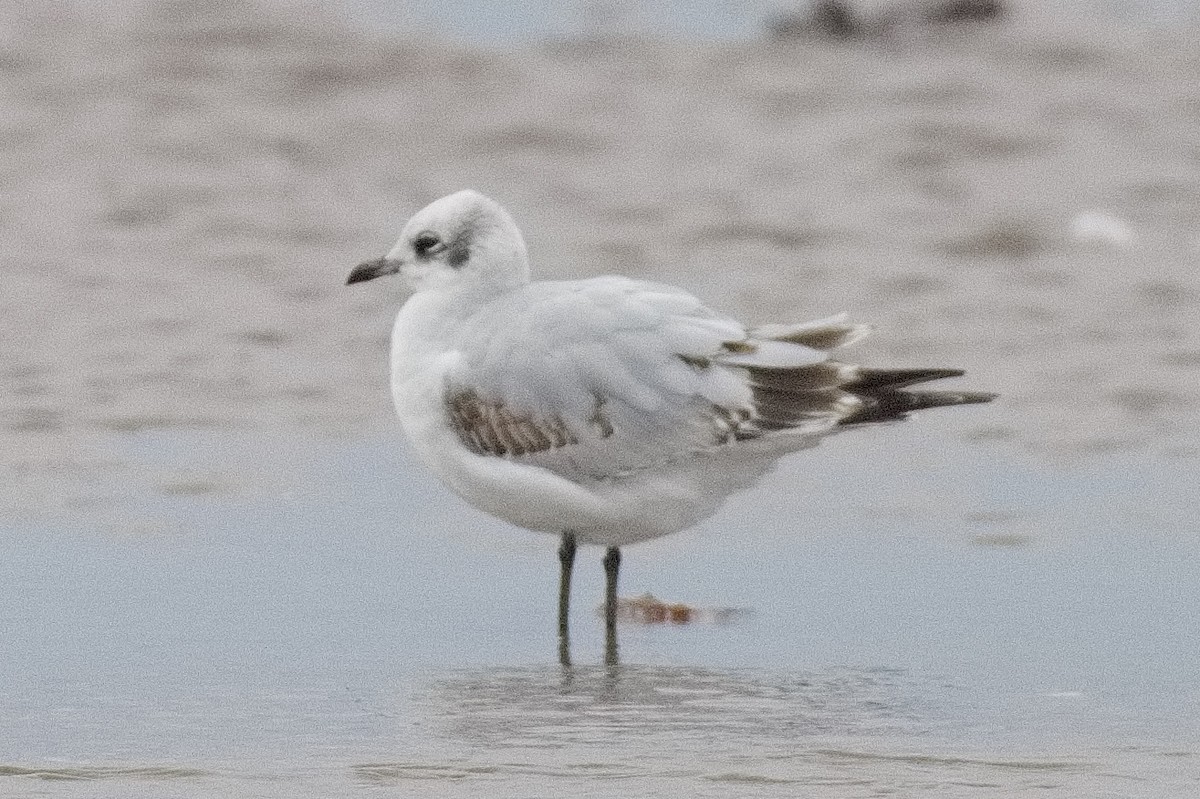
x=648, y=609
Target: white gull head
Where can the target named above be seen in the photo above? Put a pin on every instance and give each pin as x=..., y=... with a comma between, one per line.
x=464, y=241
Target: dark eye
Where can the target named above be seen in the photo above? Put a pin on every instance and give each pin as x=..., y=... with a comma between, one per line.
x=426, y=243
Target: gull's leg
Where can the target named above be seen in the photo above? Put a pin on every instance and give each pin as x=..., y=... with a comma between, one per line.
x=612, y=565
x=566, y=561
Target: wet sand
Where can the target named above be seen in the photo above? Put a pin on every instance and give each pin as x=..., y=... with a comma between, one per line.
x=186, y=187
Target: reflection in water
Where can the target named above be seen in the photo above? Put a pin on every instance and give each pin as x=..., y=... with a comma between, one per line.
x=848, y=731
x=747, y=709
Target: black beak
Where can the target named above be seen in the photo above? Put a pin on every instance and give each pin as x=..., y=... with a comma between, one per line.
x=373, y=269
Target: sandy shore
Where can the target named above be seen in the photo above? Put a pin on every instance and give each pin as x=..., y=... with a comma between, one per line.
x=186, y=186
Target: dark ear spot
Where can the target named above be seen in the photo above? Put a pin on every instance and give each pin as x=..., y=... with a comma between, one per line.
x=458, y=249
x=458, y=252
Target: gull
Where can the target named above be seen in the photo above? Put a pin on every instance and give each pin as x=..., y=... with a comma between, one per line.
x=608, y=410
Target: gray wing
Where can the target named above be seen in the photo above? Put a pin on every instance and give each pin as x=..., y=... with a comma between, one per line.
x=602, y=378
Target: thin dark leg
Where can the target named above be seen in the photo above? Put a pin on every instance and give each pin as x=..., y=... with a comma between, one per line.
x=612, y=565
x=566, y=561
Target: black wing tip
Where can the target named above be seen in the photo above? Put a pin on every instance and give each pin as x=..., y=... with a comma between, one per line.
x=892, y=406
x=869, y=378
x=785, y=398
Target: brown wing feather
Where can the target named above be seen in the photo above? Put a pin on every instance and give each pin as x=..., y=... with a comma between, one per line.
x=489, y=428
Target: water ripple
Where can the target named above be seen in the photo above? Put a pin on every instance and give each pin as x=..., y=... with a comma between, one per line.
x=101, y=772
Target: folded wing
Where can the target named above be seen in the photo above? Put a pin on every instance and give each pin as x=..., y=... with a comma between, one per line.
x=604, y=378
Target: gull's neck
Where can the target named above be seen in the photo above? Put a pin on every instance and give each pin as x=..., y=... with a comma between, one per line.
x=438, y=313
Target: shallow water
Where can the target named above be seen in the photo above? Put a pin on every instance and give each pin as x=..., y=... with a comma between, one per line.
x=346, y=633
x=223, y=576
